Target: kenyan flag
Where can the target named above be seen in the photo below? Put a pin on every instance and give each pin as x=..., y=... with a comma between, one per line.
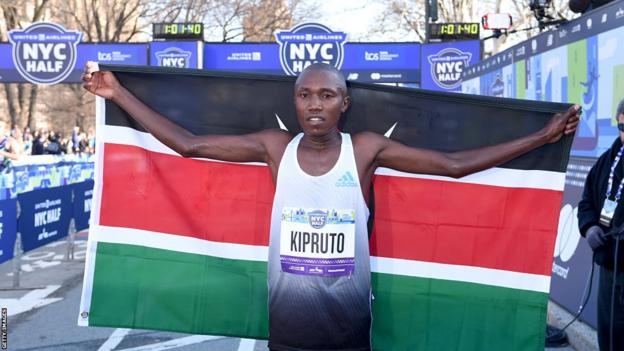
x=181, y=244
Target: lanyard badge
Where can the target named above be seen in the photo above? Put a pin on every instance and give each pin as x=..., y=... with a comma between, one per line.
x=609, y=206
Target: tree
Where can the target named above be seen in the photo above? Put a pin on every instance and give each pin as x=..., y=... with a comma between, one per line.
x=403, y=19
x=237, y=20
x=22, y=97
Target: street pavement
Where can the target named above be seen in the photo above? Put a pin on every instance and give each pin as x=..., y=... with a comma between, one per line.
x=43, y=312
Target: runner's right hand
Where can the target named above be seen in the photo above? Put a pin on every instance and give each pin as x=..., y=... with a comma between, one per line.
x=100, y=83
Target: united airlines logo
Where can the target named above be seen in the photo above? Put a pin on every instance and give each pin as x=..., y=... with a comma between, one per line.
x=346, y=180
x=173, y=57
x=44, y=53
x=310, y=43
x=317, y=219
x=447, y=67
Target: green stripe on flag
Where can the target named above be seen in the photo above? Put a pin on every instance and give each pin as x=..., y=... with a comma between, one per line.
x=140, y=287
x=431, y=314
x=207, y=295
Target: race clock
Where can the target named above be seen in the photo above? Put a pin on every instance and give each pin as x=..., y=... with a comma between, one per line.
x=189, y=31
x=453, y=31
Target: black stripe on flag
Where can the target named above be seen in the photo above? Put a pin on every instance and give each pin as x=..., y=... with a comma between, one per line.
x=208, y=102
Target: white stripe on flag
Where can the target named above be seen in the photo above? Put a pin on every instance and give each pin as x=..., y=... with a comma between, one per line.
x=178, y=243
x=503, y=177
x=470, y=274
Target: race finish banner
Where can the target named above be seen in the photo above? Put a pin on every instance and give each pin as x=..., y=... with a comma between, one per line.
x=182, y=244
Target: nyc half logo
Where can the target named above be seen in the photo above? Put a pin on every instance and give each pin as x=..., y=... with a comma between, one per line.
x=44, y=53
x=447, y=67
x=310, y=43
x=173, y=57
x=317, y=219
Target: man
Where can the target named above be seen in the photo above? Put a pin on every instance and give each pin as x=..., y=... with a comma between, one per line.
x=600, y=212
x=319, y=273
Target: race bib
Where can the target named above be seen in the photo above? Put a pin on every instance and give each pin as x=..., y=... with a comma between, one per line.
x=317, y=242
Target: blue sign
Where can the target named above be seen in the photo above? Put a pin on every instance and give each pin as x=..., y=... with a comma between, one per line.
x=83, y=198
x=44, y=53
x=44, y=216
x=8, y=228
x=177, y=54
x=252, y=58
x=308, y=43
x=443, y=64
x=123, y=54
x=382, y=63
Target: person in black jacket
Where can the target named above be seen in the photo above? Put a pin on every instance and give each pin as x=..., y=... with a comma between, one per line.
x=598, y=219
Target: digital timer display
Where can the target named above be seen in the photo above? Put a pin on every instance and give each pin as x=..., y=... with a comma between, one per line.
x=454, y=31
x=178, y=31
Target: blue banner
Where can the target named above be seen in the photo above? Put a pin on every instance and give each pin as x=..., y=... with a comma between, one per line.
x=379, y=63
x=83, y=195
x=37, y=172
x=44, y=216
x=252, y=58
x=122, y=54
x=178, y=54
x=8, y=228
x=443, y=64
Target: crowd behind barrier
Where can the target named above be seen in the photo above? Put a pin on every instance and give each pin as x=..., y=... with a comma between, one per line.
x=39, y=197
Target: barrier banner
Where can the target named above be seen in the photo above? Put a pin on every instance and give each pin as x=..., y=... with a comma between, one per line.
x=83, y=194
x=44, y=216
x=8, y=228
x=182, y=244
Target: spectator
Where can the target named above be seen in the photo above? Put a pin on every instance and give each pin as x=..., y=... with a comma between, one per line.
x=54, y=145
x=5, y=155
x=27, y=138
x=76, y=139
x=40, y=142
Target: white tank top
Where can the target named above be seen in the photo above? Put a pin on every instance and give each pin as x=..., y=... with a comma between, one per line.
x=319, y=266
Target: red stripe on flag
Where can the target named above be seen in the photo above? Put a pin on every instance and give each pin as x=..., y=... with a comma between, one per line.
x=465, y=224
x=165, y=193
x=418, y=219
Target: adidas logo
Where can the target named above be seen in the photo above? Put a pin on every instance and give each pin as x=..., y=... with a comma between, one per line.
x=346, y=180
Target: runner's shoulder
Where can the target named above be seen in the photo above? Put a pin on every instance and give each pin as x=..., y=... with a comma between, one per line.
x=275, y=136
x=368, y=138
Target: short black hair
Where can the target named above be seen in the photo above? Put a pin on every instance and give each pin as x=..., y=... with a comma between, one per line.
x=319, y=66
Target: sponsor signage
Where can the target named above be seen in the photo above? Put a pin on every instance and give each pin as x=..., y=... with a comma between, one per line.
x=443, y=65
x=603, y=19
x=382, y=62
x=83, y=195
x=44, y=53
x=175, y=54
x=122, y=54
x=572, y=256
x=375, y=62
x=308, y=43
x=8, y=228
x=44, y=216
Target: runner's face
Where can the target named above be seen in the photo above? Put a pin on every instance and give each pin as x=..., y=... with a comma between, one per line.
x=319, y=102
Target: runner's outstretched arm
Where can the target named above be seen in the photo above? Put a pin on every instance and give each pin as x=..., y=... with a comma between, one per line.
x=403, y=158
x=252, y=147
